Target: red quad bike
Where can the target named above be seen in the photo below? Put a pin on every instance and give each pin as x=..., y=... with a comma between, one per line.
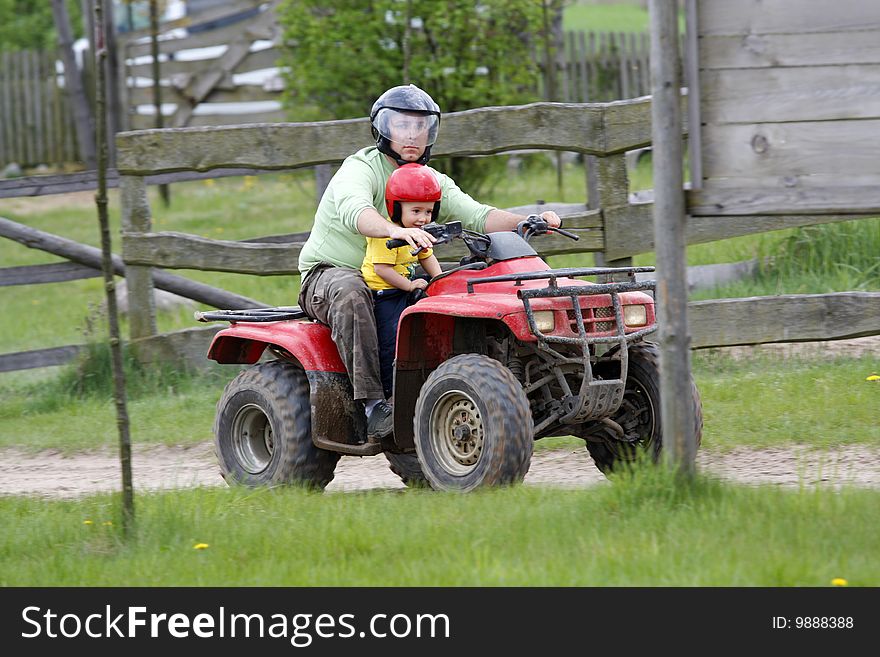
x=500, y=352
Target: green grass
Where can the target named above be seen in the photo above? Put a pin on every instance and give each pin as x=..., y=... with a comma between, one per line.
x=645, y=530
x=73, y=410
x=768, y=402
x=605, y=18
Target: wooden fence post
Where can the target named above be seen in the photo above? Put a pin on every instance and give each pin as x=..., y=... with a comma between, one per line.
x=608, y=187
x=677, y=403
x=136, y=218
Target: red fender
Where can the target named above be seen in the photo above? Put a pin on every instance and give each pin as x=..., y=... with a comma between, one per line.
x=307, y=341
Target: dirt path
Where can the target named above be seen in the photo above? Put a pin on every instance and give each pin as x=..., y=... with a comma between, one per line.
x=52, y=475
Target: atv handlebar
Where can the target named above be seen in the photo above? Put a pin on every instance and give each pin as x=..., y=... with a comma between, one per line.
x=533, y=225
x=442, y=232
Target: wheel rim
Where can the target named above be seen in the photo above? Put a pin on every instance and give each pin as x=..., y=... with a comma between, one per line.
x=457, y=432
x=252, y=439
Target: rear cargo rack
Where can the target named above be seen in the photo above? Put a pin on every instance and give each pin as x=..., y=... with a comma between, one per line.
x=277, y=314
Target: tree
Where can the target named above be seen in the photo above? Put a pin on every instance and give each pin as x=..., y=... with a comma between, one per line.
x=341, y=54
x=28, y=24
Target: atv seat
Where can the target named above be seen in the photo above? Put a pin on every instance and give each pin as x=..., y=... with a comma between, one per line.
x=277, y=314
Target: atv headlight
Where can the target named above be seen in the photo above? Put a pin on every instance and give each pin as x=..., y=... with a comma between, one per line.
x=635, y=315
x=544, y=321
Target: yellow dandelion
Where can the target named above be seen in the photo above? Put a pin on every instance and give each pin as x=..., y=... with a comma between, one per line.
x=108, y=523
x=873, y=377
x=200, y=546
x=219, y=229
x=88, y=522
x=249, y=181
x=208, y=182
x=839, y=581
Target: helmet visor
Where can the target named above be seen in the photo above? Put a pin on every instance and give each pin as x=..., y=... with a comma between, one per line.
x=407, y=128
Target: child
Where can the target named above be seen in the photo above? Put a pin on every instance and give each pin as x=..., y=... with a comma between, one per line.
x=412, y=197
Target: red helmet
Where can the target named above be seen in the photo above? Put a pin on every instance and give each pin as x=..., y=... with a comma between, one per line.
x=411, y=182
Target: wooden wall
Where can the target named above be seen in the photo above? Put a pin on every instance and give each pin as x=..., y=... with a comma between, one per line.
x=789, y=107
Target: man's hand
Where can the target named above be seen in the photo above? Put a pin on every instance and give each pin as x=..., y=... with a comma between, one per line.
x=499, y=220
x=551, y=218
x=418, y=284
x=415, y=237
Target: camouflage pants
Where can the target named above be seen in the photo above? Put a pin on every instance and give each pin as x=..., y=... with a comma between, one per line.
x=339, y=297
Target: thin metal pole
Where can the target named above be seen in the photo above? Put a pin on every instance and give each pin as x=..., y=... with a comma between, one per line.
x=119, y=395
x=677, y=409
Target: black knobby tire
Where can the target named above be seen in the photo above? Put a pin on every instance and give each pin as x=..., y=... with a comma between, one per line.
x=640, y=411
x=263, y=430
x=473, y=426
x=408, y=468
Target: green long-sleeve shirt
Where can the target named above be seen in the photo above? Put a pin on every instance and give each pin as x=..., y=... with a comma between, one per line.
x=359, y=184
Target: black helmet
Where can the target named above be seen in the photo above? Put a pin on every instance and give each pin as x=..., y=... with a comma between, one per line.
x=401, y=102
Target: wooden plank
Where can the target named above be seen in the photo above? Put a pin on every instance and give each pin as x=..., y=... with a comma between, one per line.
x=18, y=111
x=144, y=121
x=255, y=61
x=564, y=126
x=572, y=127
x=263, y=26
x=628, y=124
x=244, y=93
x=182, y=251
x=89, y=255
x=775, y=50
x=87, y=180
x=787, y=16
x=26, y=360
x=186, y=346
x=28, y=114
x=629, y=229
x=209, y=15
x=753, y=200
x=692, y=56
x=5, y=94
x=701, y=229
x=173, y=250
x=47, y=64
x=754, y=151
x=781, y=95
x=783, y=318
x=57, y=272
x=201, y=83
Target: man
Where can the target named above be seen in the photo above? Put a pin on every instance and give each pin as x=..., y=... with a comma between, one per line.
x=404, y=122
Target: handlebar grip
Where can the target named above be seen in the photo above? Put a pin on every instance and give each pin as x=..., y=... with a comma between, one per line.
x=395, y=244
x=566, y=233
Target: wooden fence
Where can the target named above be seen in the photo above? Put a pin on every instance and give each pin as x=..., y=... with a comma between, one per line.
x=609, y=223
x=36, y=122
x=612, y=222
x=601, y=67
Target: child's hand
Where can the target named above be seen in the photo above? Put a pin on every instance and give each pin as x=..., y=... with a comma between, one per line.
x=418, y=284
